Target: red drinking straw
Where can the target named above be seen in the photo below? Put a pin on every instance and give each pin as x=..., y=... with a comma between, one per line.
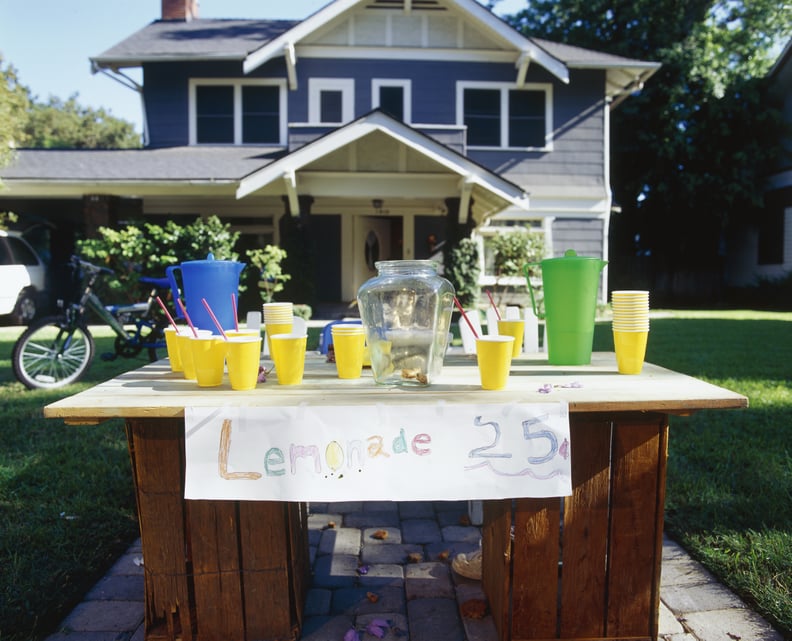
x=167, y=314
x=494, y=306
x=234, y=310
x=186, y=316
x=464, y=315
x=214, y=318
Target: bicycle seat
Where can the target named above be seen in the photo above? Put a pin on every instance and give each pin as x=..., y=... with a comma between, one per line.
x=159, y=283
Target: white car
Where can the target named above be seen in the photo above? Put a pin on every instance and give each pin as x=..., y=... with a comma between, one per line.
x=23, y=278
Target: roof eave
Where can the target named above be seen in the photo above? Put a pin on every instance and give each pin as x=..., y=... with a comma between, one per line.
x=138, y=61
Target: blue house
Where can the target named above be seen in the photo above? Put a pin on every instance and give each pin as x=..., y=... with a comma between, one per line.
x=373, y=129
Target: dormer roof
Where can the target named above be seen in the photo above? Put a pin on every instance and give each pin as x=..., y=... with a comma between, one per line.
x=419, y=29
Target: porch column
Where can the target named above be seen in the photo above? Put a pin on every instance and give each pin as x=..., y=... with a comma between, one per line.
x=455, y=231
x=300, y=263
x=99, y=211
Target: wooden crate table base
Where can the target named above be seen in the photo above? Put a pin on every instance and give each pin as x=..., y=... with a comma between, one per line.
x=214, y=570
x=582, y=567
x=585, y=566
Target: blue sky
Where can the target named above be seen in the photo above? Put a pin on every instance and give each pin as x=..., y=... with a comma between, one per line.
x=49, y=42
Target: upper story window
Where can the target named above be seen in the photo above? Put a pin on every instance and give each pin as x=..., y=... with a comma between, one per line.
x=236, y=112
x=502, y=116
x=394, y=97
x=331, y=100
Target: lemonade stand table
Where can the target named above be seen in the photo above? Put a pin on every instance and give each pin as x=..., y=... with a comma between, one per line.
x=586, y=566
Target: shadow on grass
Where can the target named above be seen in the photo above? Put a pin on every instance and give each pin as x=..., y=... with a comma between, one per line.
x=67, y=504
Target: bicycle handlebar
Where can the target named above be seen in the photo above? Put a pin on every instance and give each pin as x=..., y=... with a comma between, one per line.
x=90, y=267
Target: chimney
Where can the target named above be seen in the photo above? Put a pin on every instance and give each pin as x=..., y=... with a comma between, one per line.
x=179, y=9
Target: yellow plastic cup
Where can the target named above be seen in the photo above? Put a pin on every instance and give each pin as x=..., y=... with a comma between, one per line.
x=288, y=354
x=243, y=354
x=185, y=351
x=209, y=359
x=515, y=329
x=174, y=353
x=235, y=333
x=630, y=350
x=349, y=349
x=275, y=329
x=494, y=354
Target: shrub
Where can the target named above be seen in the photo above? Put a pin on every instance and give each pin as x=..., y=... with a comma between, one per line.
x=463, y=271
x=133, y=251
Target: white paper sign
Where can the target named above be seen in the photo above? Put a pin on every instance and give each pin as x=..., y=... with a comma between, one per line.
x=378, y=452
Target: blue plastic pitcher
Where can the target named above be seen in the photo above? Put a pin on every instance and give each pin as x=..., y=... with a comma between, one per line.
x=214, y=280
x=570, y=297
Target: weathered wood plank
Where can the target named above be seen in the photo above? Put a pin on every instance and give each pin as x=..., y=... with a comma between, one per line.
x=585, y=535
x=638, y=474
x=214, y=541
x=496, y=554
x=264, y=542
x=156, y=449
x=535, y=557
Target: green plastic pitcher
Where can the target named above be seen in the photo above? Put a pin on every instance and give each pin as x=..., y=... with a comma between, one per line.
x=570, y=298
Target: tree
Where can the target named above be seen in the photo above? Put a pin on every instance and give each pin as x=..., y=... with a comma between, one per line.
x=60, y=124
x=14, y=103
x=56, y=124
x=689, y=151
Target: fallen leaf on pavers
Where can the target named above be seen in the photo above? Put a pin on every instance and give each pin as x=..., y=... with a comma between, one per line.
x=464, y=519
x=378, y=628
x=352, y=635
x=373, y=598
x=414, y=557
x=380, y=535
x=443, y=556
x=331, y=524
x=474, y=609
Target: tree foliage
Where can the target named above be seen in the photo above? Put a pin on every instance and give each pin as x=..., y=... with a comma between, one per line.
x=14, y=104
x=65, y=124
x=55, y=124
x=688, y=152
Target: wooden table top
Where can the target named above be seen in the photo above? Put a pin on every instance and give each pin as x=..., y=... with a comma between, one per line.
x=153, y=391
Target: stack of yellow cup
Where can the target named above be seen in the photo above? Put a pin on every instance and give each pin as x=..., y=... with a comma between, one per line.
x=349, y=342
x=630, y=329
x=278, y=319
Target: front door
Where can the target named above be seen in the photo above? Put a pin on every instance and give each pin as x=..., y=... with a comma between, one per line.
x=373, y=241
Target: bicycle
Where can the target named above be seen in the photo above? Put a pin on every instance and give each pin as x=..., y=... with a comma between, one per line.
x=58, y=350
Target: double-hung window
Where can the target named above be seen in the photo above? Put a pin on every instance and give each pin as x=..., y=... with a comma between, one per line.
x=236, y=112
x=394, y=97
x=331, y=100
x=503, y=116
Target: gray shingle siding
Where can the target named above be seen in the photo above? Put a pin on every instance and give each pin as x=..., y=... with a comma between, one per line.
x=577, y=156
x=582, y=235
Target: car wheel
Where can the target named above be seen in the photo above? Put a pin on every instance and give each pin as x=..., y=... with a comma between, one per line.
x=25, y=309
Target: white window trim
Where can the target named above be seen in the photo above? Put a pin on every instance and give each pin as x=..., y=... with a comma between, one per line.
x=504, y=88
x=237, y=84
x=406, y=85
x=347, y=88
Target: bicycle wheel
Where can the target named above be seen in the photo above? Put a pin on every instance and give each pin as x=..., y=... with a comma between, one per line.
x=51, y=353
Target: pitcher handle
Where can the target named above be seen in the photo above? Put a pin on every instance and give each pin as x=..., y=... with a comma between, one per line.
x=530, y=287
x=171, y=276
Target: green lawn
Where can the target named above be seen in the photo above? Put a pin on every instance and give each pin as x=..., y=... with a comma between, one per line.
x=67, y=505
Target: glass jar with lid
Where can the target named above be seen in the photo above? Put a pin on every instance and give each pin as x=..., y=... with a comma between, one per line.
x=406, y=310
